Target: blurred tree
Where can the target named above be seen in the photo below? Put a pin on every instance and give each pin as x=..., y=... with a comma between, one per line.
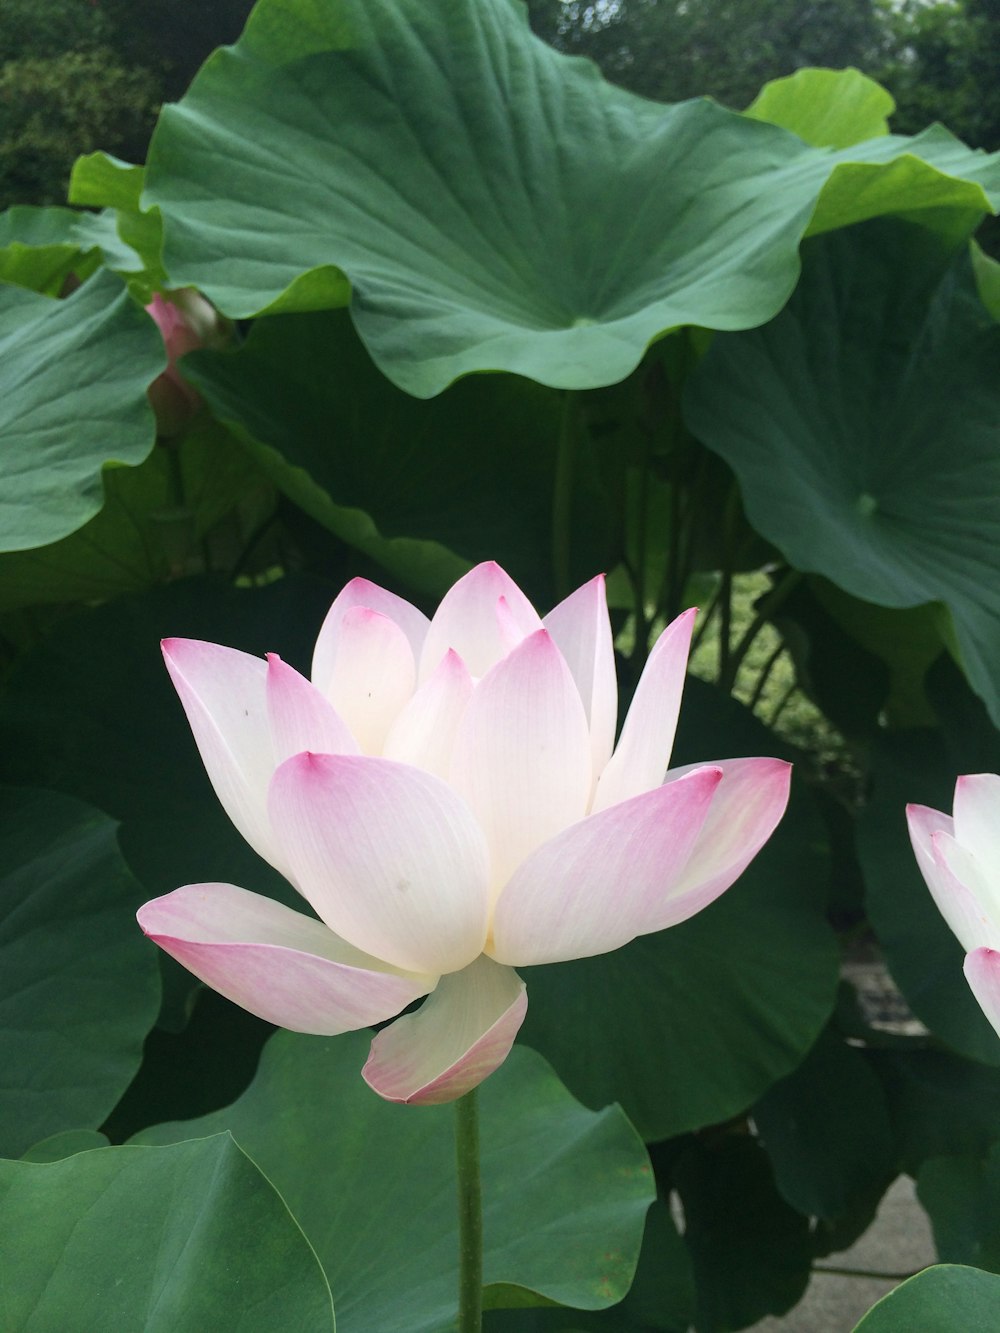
x=54, y=108
x=40, y=28
x=174, y=37
x=674, y=49
x=942, y=64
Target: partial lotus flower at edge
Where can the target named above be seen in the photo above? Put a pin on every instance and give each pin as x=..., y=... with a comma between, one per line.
x=448, y=797
x=959, y=858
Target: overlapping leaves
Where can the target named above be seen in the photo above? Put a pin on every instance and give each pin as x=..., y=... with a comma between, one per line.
x=373, y=1184
x=862, y=425
x=488, y=204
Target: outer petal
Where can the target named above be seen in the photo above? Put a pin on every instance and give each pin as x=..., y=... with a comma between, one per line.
x=224, y=695
x=522, y=755
x=301, y=718
x=977, y=821
x=642, y=754
x=951, y=898
x=606, y=880
x=964, y=897
x=745, y=811
x=923, y=823
x=468, y=620
x=280, y=965
x=459, y=1036
x=982, y=972
x=373, y=676
x=581, y=630
x=424, y=732
x=389, y=856
x=361, y=592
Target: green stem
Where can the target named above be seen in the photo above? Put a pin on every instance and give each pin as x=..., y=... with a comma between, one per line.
x=470, y=1215
x=768, y=607
x=866, y=1272
x=562, y=498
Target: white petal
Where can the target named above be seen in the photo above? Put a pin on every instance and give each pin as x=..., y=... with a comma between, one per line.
x=224, y=696
x=459, y=1036
x=522, y=755
x=642, y=754
x=470, y=620
x=424, y=732
x=977, y=821
x=389, y=856
x=599, y=884
x=982, y=971
x=966, y=899
x=280, y=965
x=581, y=630
x=301, y=718
x=361, y=592
x=374, y=675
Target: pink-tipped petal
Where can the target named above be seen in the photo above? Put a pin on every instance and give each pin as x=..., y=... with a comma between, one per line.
x=374, y=675
x=982, y=972
x=389, y=856
x=224, y=696
x=965, y=898
x=361, y=592
x=522, y=754
x=424, y=732
x=301, y=718
x=280, y=965
x=581, y=630
x=922, y=823
x=469, y=621
x=642, y=754
x=606, y=880
x=977, y=820
x=745, y=811
x=455, y=1039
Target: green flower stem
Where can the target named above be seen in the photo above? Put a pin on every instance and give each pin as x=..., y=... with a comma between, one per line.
x=470, y=1215
x=562, y=499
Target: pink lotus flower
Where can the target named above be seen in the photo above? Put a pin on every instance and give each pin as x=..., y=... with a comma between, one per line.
x=186, y=321
x=448, y=797
x=959, y=857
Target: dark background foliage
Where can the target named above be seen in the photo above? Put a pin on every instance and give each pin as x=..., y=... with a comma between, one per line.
x=78, y=76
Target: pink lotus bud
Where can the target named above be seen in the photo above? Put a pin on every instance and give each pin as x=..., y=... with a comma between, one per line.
x=186, y=321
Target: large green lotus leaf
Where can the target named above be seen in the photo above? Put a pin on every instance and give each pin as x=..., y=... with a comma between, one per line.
x=750, y=1249
x=962, y=1198
x=68, y=1143
x=987, y=272
x=690, y=1026
x=373, y=1184
x=178, y=1239
x=487, y=203
x=845, y=418
x=827, y=1131
x=73, y=380
x=97, y=687
x=923, y=955
x=79, y=988
x=947, y=1298
x=142, y=535
x=471, y=472
x=828, y=108
x=99, y=180
x=660, y=1300
x=939, y=1102
x=40, y=247
x=908, y=642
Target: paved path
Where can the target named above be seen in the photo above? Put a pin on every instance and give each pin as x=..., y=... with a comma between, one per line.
x=898, y=1241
